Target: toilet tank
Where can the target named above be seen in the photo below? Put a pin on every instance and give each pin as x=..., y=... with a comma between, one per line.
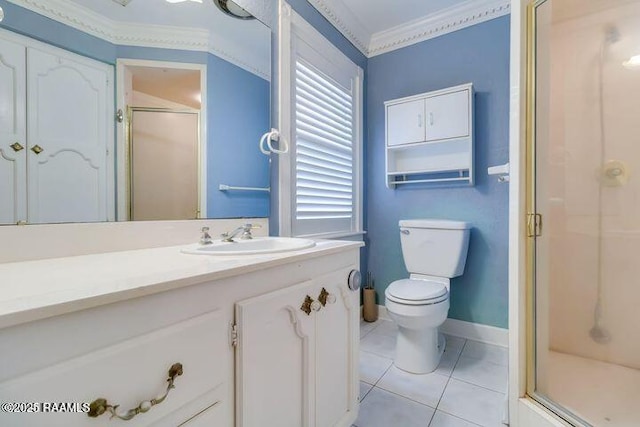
x=435, y=247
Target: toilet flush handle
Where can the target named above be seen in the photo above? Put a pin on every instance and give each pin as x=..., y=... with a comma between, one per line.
x=405, y=231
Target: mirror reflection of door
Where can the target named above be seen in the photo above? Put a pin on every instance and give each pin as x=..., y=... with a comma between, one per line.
x=164, y=112
x=164, y=164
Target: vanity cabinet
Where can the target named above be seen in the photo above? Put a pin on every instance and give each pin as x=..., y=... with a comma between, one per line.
x=252, y=348
x=429, y=137
x=297, y=355
x=56, y=134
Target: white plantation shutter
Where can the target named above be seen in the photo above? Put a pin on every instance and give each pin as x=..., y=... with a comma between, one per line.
x=325, y=165
x=324, y=142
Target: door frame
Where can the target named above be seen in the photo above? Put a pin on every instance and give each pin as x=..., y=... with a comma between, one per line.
x=122, y=133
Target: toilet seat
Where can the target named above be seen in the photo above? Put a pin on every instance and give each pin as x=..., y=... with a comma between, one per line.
x=417, y=292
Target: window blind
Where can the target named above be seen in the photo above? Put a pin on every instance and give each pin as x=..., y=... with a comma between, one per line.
x=324, y=160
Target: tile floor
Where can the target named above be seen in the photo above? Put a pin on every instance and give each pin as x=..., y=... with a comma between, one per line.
x=466, y=390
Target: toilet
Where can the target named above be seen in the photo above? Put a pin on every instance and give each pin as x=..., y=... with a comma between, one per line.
x=434, y=251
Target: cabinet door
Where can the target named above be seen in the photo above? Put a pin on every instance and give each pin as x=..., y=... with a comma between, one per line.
x=405, y=123
x=68, y=118
x=337, y=333
x=275, y=359
x=13, y=191
x=448, y=116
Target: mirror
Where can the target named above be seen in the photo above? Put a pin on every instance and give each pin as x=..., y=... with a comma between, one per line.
x=116, y=110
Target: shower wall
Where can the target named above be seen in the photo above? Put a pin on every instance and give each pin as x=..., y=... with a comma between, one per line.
x=575, y=203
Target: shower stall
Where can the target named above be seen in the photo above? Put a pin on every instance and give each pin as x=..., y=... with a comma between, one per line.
x=584, y=188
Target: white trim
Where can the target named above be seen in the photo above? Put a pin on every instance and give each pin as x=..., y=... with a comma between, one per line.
x=345, y=21
x=144, y=35
x=476, y=332
x=283, y=95
x=446, y=21
x=517, y=191
x=121, y=137
x=452, y=19
x=292, y=25
x=467, y=330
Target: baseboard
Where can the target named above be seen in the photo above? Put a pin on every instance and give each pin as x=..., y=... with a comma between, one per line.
x=468, y=330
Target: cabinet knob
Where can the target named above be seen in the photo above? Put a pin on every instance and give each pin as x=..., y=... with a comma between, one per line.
x=307, y=304
x=37, y=149
x=355, y=280
x=17, y=146
x=326, y=298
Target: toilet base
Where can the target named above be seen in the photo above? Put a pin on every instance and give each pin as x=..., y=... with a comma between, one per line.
x=419, y=351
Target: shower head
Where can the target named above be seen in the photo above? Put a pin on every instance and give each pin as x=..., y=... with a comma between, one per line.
x=611, y=34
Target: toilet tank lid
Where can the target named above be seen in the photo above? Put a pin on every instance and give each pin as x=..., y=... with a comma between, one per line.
x=435, y=223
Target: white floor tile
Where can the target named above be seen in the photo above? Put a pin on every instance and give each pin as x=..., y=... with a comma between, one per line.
x=382, y=345
x=426, y=389
x=386, y=327
x=473, y=403
x=364, y=389
x=440, y=419
x=481, y=372
x=384, y=409
x=366, y=327
x=454, y=344
x=491, y=353
x=372, y=367
x=448, y=362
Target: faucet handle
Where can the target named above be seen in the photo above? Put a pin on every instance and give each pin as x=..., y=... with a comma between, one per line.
x=249, y=226
x=206, y=237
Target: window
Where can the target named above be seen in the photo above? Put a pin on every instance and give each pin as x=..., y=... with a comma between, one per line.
x=325, y=161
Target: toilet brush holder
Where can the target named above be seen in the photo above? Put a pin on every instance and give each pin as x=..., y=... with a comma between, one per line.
x=369, y=309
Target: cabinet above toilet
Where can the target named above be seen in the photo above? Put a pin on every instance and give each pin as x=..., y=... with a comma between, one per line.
x=429, y=137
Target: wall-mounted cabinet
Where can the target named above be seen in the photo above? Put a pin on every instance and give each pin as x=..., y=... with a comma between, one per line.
x=429, y=137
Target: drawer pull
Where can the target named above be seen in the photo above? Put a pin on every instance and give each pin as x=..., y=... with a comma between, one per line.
x=100, y=405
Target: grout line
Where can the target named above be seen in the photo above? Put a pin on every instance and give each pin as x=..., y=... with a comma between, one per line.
x=464, y=344
x=405, y=397
x=463, y=419
x=485, y=360
x=479, y=386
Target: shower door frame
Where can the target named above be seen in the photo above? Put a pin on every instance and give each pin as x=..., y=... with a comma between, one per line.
x=531, y=214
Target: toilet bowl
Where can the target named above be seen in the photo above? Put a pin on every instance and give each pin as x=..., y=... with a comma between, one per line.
x=434, y=251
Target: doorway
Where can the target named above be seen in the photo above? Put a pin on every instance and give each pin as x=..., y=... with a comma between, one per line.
x=162, y=141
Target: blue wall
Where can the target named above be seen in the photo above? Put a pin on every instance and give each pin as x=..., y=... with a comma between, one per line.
x=478, y=54
x=233, y=157
x=233, y=154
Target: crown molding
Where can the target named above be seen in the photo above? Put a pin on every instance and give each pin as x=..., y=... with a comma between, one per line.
x=144, y=35
x=451, y=19
x=341, y=17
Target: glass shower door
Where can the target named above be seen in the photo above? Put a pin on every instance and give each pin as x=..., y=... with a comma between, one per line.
x=584, y=199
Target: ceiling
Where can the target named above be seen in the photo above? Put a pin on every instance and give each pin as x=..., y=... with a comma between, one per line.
x=190, y=25
x=176, y=85
x=377, y=16
x=376, y=27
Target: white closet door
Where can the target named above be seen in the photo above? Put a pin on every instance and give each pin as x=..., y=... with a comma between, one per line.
x=13, y=192
x=68, y=120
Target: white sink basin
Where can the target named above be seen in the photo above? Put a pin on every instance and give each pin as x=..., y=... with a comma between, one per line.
x=255, y=246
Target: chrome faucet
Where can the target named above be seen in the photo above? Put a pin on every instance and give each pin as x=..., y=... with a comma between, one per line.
x=246, y=233
x=206, y=237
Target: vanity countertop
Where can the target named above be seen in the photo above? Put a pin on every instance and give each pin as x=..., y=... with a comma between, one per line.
x=34, y=290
